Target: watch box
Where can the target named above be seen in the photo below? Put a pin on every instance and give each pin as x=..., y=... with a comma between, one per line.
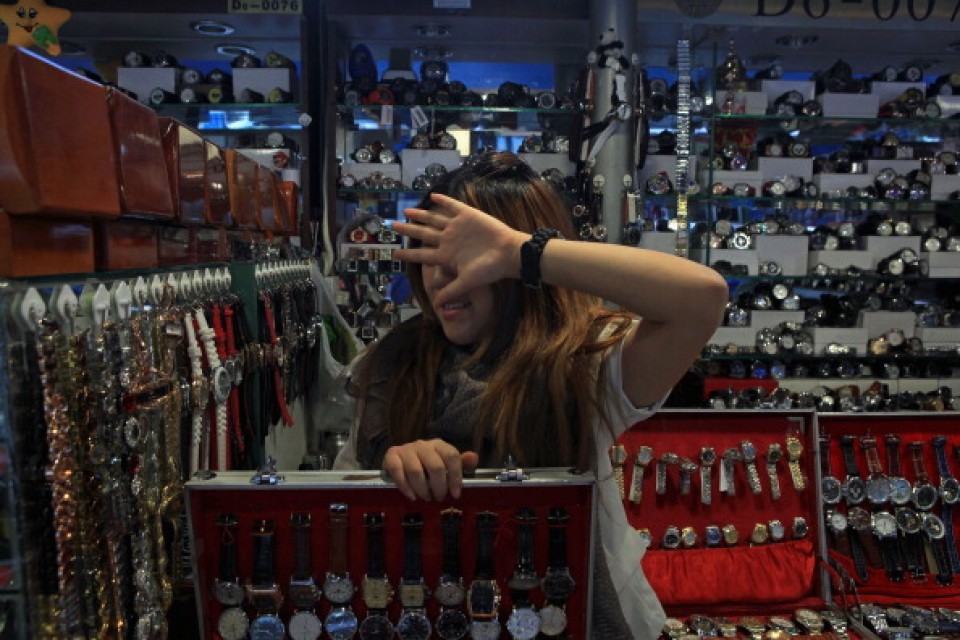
x=185, y=152
x=126, y=244
x=215, y=186
x=42, y=246
x=276, y=497
x=242, y=185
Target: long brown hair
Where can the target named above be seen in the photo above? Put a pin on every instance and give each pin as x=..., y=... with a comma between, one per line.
x=542, y=393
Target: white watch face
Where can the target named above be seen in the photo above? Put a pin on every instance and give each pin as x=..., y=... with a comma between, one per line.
x=305, y=625
x=485, y=629
x=338, y=589
x=523, y=624
x=233, y=624
x=228, y=593
x=553, y=620
x=885, y=524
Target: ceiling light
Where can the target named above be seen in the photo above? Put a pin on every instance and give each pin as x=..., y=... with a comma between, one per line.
x=794, y=41
x=432, y=53
x=233, y=50
x=433, y=30
x=212, y=28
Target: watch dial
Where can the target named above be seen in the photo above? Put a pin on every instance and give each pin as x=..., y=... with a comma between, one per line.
x=450, y=593
x=878, y=490
x=413, y=595
x=341, y=623
x=233, y=624
x=859, y=518
x=376, y=626
x=305, y=625
x=900, y=491
x=523, y=624
x=950, y=490
x=452, y=624
x=558, y=584
x=924, y=496
x=485, y=630
x=413, y=625
x=338, y=589
x=831, y=490
x=933, y=526
x=884, y=524
x=267, y=628
x=376, y=592
x=908, y=520
x=837, y=522
x=228, y=593
x=854, y=490
x=483, y=597
x=553, y=620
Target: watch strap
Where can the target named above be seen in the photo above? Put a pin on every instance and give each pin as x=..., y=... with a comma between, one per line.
x=263, y=554
x=412, y=547
x=557, y=519
x=300, y=525
x=374, y=524
x=892, y=560
x=339, y=532
x=941, y=561
x=486, y=534
x=526, y=522
x=893, y=455
x=530, y=254
x=940, y=449
x=919, y=467
x=911, y=545
x=859, y=555
x=869, y=446
x=277, y=366
x=451, y=521
x=849, y=458
x=227, y=522
x=949, y=537
x=824, y=443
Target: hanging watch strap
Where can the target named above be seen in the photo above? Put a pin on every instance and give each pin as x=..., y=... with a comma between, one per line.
x=946, y=509
x=640, y=462
x=338, y=527
x=228, y=547
x=236, y=373
x=933, y=531
x=486, y=535
x=857, y=549
x=849, y=457
x=198, y=399
x=263, y=553
x=300, y=524
x=825, y=470
x=219, y=385
x=893, y=455
x=708, y=457
x=450, y=523
x=277, y=360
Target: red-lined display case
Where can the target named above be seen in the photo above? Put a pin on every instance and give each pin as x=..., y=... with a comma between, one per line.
x=364, y=493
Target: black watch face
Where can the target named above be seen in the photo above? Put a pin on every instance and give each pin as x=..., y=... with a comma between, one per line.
x=854, y=490
x=878, y=490
x=950, y=490
x=341, y=623
x=900, y=491
x=925, y=496
x=933, y=526
x=483, y=597
x=413, y=625
x=267, y=628
x=558, y=585
x=908, y=520
x=831, y=490
x=376, y=626
x=452, y=624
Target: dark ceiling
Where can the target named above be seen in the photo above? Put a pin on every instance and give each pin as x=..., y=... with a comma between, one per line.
x=555, y=31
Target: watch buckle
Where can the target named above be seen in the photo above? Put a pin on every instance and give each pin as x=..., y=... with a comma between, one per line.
x=267, y=474
x=511, y=473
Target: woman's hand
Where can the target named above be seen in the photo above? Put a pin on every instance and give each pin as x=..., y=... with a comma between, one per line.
x=475, y=248
x=428, y=469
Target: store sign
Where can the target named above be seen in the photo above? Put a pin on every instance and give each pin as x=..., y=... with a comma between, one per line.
x=265, y=6
x=856, y=14
x=940, y=11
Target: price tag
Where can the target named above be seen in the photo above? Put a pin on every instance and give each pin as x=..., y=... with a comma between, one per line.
x=293, y=7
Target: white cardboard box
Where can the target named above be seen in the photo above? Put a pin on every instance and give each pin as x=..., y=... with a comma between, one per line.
x=752, y=103
x=881, y=247
x=902, y=167
x=743, y=337
x=730, y=178
x=360, y=170
x=414, y=162
x=878, y=323
x=540, y=162
x=849, y=105
x=264, y=80
x=143, y=80
x=939, y=336
x=942, y=186
x=746, y=257
x=790, y=252
x=943, y=264
x=773, y=89
x=852, y=337
x=840, y=259
x=949, y=105
x=661, y=241
x=887, y=91
x=770, y=319
x=834, y=185
x=772, y=168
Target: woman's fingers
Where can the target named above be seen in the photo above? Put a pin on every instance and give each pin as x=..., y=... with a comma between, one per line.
x=425, y=469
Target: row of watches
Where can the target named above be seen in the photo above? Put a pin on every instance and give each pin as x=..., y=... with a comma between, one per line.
x=689, y=537
x=903, y=621
x=434, y=90
x=802, y=621
x=462, y=606
x=847, y=398
x=745, y=455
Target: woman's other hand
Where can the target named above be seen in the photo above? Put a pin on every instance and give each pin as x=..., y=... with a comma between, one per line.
x=429, y=469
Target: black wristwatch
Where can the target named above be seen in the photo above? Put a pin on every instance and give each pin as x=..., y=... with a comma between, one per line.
x=483, y=597
x=413, y=623
x=854, y=488
x=949, y=496
x=831, y=490
x=530, y=254
x=376, y=590
x=523, y=622
x=557, y=583
x=452, y=623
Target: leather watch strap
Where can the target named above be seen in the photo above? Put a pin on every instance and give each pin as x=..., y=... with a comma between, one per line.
x=825, y=470
x=233, y=412
x=919, y=467
x=263, y=550
x=944, y=572
x=946, y=509
x=869, y=445
x=374, y=524
x=412, y=547
x=277, y=365
x=486, y=534
x=339, y=531
x=859, y=555
x=451, y=521
x=893, y=455
x=526, y=522
x=849, y=458
x=227, y=523
x=300, y=525
x=557, y=520
x=892, y=559
x=911, y=544
x=940, y=449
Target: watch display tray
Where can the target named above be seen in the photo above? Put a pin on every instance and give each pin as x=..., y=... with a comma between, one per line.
x=878, y=588
x=366, y=492
x=723, y=580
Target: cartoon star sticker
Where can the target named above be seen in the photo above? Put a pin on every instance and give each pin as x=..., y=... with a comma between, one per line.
x=32, y=22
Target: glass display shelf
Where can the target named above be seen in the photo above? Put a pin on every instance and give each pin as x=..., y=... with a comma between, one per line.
x=229, y=118
x=493, y=119
x=840, y=129
x=951, y=358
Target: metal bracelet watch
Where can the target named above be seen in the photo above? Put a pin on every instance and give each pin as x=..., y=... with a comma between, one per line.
x=264, y=592
x=640, y=463
x=375, y=588
x=749, y=453
x=523, y=623
x=707, y=459
x=665, y=460
x=687, y=469
x=618, y=458
x=794, y=453
x=199, y=395
x=774, y=455
x=728, y=461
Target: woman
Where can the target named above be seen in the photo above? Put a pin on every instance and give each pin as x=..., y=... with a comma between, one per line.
x=546, y=374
